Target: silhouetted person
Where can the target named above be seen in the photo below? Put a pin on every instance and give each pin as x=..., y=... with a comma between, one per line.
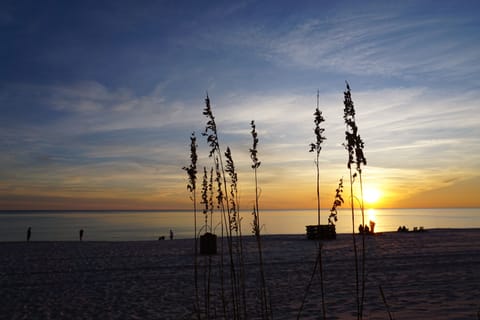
x=366, y=230
x=372, y=226
x=29, y=233
x=81, y=234
x=360, y=229
x=171, y=234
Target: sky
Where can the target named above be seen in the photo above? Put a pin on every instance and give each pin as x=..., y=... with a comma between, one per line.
x=99, y=98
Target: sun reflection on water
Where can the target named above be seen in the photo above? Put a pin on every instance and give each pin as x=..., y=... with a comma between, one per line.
x=372, y=215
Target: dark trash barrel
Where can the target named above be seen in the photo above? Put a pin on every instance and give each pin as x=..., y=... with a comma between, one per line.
x=208, y=243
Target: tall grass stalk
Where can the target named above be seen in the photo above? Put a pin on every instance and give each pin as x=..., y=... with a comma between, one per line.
x=309, y=284
x=191, y=186
x=207, y=201
x=355, y=248
x=316, y=147
x=385, y=302
x=235, y=226
x=225, y=203
x=220, y=205
x=333, y=218
x=362, y=208
x=318, y=262
x=264, y=298
x=212, y=140
x=354, y=146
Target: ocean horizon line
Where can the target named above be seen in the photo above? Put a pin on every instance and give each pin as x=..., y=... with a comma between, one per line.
x=200, y=211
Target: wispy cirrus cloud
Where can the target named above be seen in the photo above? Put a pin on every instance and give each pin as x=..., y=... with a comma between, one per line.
x=420, y=47
x=90, y=106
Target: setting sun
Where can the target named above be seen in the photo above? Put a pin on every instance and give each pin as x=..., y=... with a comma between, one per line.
x=371, y=196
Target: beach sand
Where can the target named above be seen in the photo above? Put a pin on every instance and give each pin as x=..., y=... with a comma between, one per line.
x=424, y=275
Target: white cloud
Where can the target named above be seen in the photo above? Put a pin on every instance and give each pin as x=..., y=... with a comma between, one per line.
x=92, y=107
x=377, y=43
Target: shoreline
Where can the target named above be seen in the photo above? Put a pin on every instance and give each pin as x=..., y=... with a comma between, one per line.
x=249, y=236
x=430, y=274
x=134, y=226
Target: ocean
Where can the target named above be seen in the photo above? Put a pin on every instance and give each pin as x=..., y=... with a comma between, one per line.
x=150, y=225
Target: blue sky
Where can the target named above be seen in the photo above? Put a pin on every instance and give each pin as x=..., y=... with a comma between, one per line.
x=98, y=100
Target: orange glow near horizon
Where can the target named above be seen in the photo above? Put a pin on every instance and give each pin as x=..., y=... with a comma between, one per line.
x=293, y=193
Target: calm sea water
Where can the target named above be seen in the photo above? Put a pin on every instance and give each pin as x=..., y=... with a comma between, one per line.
x=149, y=225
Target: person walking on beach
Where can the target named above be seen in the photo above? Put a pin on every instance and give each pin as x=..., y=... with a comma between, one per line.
x=171, y=234
x=81, y=234
x=29, y=233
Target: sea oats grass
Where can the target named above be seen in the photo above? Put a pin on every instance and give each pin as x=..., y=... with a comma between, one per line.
x=354, y=146
x=266, y=306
